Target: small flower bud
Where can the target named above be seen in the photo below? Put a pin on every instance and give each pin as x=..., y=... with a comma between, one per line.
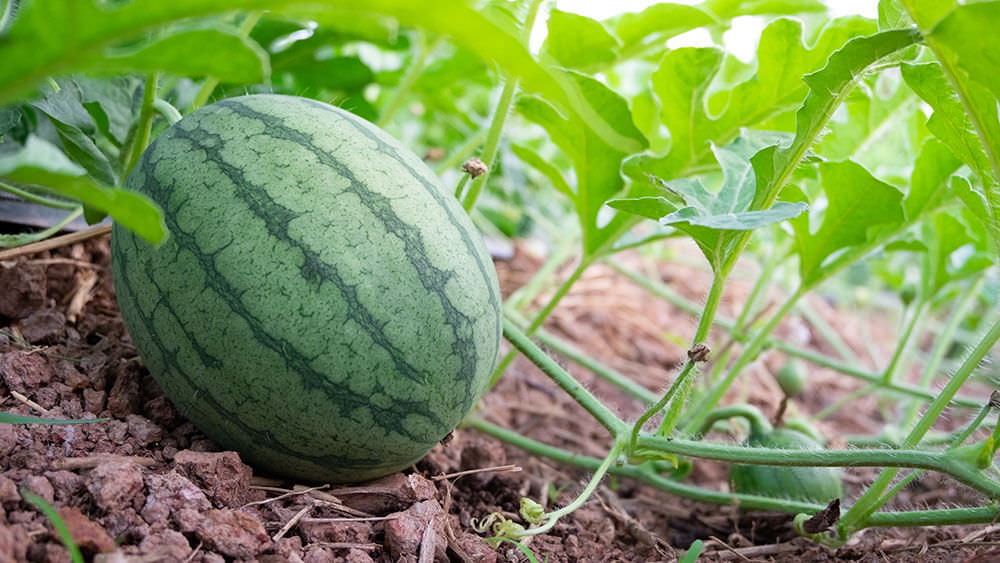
x=474, y=167
x=699, y=352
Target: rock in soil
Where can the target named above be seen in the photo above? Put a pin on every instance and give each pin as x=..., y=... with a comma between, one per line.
x=116, y=485
x=223, y=477
x=233, y=533
x=89, y=536
x=24, y=290
x=416, y=530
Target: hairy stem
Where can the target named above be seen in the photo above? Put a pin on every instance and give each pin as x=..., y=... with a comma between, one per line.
x=413, y=72
x=643, y=473
x=573, y=388
x=540, y=317
x=208, y=86
x=144, y=127
x=873, y=498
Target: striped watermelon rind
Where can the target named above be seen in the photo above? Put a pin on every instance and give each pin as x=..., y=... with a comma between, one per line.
x=322, y=305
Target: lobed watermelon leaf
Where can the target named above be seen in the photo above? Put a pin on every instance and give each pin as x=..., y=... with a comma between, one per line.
x=858, y=205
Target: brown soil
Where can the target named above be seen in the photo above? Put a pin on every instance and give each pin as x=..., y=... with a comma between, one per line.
x=147, y=486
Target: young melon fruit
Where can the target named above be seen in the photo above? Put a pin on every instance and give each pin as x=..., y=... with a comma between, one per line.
x=808, y=484
x=322, y=306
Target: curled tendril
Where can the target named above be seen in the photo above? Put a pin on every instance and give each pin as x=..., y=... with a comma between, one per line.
x=499, y=525
x=531, y=511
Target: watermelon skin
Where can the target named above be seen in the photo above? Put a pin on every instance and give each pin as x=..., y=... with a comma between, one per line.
x=322, y=306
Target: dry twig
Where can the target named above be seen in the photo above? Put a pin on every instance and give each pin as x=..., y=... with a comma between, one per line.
x=54, y=242
x=510, y=468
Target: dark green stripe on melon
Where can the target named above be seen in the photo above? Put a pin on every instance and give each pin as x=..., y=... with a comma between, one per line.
x=322, y=305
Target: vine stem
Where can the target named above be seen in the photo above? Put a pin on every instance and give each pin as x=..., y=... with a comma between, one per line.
x=527, y=293
x=748, y=355
x=677, y=395
x=413, y=72
x=7, y=16
x=943, y=343
x=207, y=87
x=821, y=360
x=644, y=474
x=563, y=379
x=166, y=110
x=492, y=145
x=41, y=200
x=462, y=153
x=503, y=108
x=144, y=128
x=575, y=355
x=553, y=517
x=873, y=498
x=28, y=238
x=561, y=292
x=905, y=341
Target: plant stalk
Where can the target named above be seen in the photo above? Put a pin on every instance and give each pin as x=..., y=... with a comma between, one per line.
x=573, y=388
x=871, y=500
x=144, y=128
x=413, y=72
x=540, y=317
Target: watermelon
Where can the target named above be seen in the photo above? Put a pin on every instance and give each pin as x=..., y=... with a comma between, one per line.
x=322, y=306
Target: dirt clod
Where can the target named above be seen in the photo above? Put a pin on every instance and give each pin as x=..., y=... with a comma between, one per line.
x=24, y=290
x=166, y=544
x=389, y=494
x=89, y=536
x=406, y=533
x=44, y=326
x=223, y=477
x=172, y=496
x=233, y=533
x=116, y=485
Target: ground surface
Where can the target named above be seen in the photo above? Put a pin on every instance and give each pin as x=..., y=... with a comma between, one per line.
x=147, y=486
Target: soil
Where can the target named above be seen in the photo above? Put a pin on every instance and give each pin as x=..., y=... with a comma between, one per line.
x=147, y=486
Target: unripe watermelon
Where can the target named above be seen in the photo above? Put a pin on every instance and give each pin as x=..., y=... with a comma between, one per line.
x=322, y=306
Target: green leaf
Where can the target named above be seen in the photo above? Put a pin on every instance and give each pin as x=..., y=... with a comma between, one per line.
x=827, y=89
x=65, y=104
x=958, y=249
x=729, y=9
x=109, y=103
x=651, y=27
x=596, y=162
x=892, y=15
x=949, y=122
x=42, y=164
x=683, y=78
x=234, y=58
x=82, y=149
x=554, y=175
x=11, y=418
x=727, y=209
x=40, y=46
x=976, y=202
x=880, y=130
x=578, y=42
x=743, y=221
x=650, y=207
x=75, y=127
x=926, y=13
x=858, y=204
x=711, y=216
x=343, y=73
x=970, y=32
x=929, y=180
